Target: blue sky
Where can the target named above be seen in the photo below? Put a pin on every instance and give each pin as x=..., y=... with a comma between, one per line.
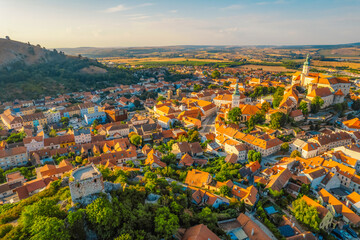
x=121, y=23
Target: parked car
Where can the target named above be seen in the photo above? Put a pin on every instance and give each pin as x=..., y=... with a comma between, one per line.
x=335, y=236
x=338, y=234
x=345, y=234
x=350, y=231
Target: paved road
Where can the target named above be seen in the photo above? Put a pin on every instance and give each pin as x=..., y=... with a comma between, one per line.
x=208, y=125
x=261, y=225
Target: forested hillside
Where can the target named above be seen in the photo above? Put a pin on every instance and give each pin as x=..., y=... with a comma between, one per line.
x=51, y=72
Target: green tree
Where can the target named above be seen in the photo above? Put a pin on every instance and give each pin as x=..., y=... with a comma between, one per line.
x=295, y=153
x=304, y=108
x=215, y=74
x=166, y=223
x=356, y=105
x=316, y=104
x=45, y=228
x=161, y=98
x=16, y=137
x=76, y=221
x=213, y=86
x=265, y=106
x=277, y=120
x=305, y=189
x=193, y=136
x=103, y=217
x=137, y=103
x=306, y=214
x=136, y=140
x=250, y=155
x=207, y=217
x=234, y=115
x=52, y=133
x=78, y=159
x=278, y=96
x=95, y=123
x=4, y=229
x=284, y=147
x=44, y=208
x=197, y=87
x=242, y=207
x=226, y=83
x=224, y=190
x=65, y=121
x=256, y=157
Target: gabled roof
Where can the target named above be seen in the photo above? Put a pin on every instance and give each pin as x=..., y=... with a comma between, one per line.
x=321, y=92
x=249, y=195
x=197, y=178
x=199, y=232
x=231, y=158
x=353, y=197
x=251, y=229
x=249, y=110
x=279, y=180
x=253, y=166
x=154, y=157
x=339, y=207
x=186, y=160
x=352, y=123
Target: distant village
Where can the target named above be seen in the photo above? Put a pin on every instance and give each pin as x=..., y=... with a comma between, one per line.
x=282, y=150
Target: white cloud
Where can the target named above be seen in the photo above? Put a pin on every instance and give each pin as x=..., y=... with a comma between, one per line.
x=137, y=16
x=173, y=11
x=117, y=8
x=121, y=7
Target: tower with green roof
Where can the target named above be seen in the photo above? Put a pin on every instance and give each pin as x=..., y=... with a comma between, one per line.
x=305, y=71
x=236, y=97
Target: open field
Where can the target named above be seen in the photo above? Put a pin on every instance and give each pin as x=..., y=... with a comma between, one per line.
x=154, y=59
x=341, y=52
x=336, y=64
x=267, y=68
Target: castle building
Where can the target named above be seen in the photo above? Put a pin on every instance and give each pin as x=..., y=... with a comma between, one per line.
x=338, y=86
x=85, y=181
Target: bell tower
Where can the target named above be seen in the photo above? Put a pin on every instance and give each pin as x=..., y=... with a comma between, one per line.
x=236, y=97
x=305, y=71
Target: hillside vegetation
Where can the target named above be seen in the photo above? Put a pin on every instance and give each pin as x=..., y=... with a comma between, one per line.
x=31, y=74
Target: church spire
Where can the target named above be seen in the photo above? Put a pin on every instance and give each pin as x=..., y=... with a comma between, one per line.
x=307, y=61
x=236, y=92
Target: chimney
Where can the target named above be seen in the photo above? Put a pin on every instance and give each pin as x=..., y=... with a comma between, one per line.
x=252, y=232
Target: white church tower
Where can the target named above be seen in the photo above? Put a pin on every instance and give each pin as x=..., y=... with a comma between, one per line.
x=305, y=71
x=236, y=97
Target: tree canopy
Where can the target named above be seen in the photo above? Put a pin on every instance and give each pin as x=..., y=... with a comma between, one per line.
x=316, y=104
x=234, y=115
x=277, y=120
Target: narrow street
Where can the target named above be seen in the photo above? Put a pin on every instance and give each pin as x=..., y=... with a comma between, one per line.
x=208, y=125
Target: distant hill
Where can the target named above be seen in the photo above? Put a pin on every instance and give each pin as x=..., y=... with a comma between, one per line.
x=180, y=50
x=31, y=72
